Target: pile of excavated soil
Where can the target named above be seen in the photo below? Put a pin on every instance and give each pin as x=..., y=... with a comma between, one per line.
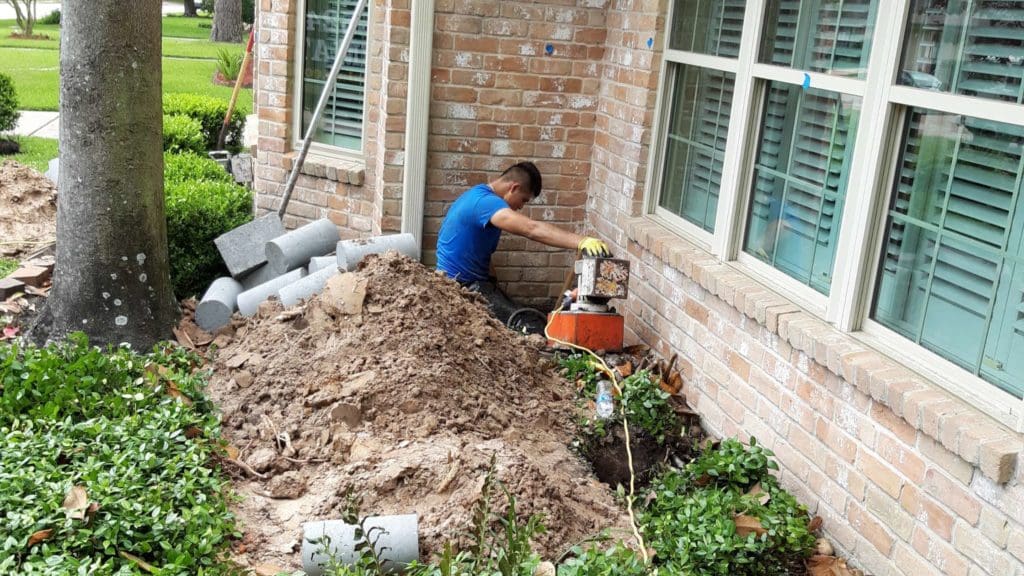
x=406, y=403
x=28, y=209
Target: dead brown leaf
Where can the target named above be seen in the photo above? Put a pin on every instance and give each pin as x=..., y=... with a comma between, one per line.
x=75, y=502
x=746, y=525
x=625, y=369
x=232, y=451
x=827, y=566
x=39, y=536
x=174, y=392
x=815, y=524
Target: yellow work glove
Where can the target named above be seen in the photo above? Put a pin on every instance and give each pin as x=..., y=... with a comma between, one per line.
x=594, y=248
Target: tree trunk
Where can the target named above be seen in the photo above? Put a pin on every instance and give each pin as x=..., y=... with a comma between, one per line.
x=111, y=278
x=190, y=8
x=227, y=21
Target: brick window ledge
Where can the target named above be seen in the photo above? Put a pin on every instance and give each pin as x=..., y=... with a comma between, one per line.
x=962, y=429
x=341, y=170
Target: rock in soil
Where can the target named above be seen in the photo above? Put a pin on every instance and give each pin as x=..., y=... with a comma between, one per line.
x=404, y=404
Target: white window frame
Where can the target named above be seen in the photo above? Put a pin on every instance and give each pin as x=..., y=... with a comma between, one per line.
x=319, y=148
x=873, y=168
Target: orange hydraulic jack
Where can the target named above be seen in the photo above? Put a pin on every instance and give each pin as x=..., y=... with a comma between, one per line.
x=589, y=322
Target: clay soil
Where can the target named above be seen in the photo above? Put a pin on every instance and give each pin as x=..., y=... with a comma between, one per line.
x=28, y=209
x=405, y=403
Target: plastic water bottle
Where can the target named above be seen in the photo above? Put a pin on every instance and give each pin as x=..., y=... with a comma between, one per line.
x=605, y=403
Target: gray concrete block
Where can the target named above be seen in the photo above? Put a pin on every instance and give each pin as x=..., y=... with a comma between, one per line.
x=351, y=252
x=307, y=287
x=218, y=304
x=320, y=262
x=298, y=247
x=250, y=300
x=244, y=248
x=53, y=170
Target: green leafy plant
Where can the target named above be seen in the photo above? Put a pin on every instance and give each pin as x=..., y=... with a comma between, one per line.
x=7, y=265
x=229, y=63
x=8, y=104
x=210, y=112
x=192, y=167
x=53, y=18
x=183, y=134
x=712, y=520
x=107, y=463
x=617, y=560
x=198, y=211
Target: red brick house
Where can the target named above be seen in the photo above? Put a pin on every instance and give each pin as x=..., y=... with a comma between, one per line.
x=822, y=202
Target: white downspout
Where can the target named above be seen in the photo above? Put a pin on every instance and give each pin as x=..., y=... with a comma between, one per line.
x=417, y=119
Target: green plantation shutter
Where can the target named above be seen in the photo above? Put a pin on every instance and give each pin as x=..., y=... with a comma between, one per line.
x=952, y=271
x=820, y=36
x=699, y=117
x=326, y=23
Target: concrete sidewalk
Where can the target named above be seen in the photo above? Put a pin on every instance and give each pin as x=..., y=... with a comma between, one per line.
x=39, y=124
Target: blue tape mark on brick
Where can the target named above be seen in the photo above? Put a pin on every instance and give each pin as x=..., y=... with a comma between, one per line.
x=550, y=49
x=807, y=81
x=650, y=42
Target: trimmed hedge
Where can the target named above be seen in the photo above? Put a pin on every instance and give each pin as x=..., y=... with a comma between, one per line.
x=202, y=202
x=8, y=104
x=210, y=112
x=183, y=134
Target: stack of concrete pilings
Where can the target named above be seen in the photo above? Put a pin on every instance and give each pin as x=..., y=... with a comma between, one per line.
x=291, y=266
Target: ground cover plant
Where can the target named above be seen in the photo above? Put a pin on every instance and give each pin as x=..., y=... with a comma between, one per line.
x=7, y=265
x=108, y=463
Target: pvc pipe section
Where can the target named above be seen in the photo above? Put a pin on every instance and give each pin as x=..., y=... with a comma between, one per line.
x=297, y=247
x=218, y=303
x=395, y=539
x=351, y=252
x=250, y=300
x=307, y=286
x=318, y=263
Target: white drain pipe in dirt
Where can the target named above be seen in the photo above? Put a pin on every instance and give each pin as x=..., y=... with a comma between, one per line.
x=351, y=252
x=395, y=540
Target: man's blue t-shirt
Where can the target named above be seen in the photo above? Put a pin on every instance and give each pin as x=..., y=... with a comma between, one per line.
x=467, y=237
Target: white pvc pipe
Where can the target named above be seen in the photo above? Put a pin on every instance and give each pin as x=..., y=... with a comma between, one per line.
x=395, y=539
x=351, y=252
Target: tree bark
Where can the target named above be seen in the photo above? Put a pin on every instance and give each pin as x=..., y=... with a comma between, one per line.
x=112, y=277
x=227, y=21
x=190, y=8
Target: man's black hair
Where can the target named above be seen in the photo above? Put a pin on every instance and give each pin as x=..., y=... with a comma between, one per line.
x=526, y=175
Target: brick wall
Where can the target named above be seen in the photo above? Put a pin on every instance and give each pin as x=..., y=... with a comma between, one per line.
x=363, y=199
x=908, y=479
x=515, y=81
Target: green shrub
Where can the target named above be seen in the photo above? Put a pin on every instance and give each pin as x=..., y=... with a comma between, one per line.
x=690, y=520
x=8, y=104
x=51, y=18
x=73, y=415
x=198, y=211
x=210, y=112
x=188, y=166
x=183, y=134
x=615, y=561
x=229, y=63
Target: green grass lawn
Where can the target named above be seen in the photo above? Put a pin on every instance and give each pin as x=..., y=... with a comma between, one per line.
x=35, y=152
x=36, y=78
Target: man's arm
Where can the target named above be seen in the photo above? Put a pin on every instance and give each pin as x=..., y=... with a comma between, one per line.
x=511, y=221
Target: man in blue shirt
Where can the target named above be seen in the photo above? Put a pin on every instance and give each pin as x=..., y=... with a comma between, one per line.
x=474, y=223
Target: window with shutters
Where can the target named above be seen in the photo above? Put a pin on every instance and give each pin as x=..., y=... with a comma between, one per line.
x=698, y=114
x=869, y=168
x=325, y=24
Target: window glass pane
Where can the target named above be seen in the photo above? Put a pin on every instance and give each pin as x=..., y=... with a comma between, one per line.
x=707, y=26
x=975, y=48
x=800, y=176
x=698, y=124
x=951, y=275
x=342, y=121
x=819, y=35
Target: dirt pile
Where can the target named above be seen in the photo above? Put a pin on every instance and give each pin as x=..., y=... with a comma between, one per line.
x=404, y=401
x=28, y=209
